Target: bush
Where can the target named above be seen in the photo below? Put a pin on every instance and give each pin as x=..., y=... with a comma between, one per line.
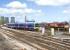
x=37, y=29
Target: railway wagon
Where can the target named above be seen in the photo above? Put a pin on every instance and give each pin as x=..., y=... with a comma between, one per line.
x=24, y=26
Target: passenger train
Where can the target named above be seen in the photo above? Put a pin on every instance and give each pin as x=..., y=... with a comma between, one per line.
x=28, y=26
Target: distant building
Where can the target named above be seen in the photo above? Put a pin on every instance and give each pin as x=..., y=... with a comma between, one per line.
x=1, y=19
x=58, y=25
x=6, y=20
x=12, y=20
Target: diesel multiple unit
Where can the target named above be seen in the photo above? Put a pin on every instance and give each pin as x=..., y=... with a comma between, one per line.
x=28, y=26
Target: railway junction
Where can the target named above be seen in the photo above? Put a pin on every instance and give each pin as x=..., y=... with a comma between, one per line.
x=27, y=40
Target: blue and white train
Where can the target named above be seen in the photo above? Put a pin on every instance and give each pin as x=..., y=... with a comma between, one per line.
x=28, y=26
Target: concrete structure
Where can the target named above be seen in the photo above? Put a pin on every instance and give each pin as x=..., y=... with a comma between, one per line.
x=69, y=30
x=52, y=31
x=43, y=30
x=12, y=20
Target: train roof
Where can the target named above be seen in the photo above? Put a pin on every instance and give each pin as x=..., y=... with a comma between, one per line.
x=20, y=23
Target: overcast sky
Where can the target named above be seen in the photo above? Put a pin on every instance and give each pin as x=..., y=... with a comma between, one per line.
x=38, y=10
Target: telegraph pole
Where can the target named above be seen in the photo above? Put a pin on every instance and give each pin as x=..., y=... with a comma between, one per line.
x=25, y=19
x=25, y=22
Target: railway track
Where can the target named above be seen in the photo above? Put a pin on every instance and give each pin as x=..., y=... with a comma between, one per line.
x=24, y=41
x=44, y=42
x=54, y=39
x=49, y=38
x=27, y=41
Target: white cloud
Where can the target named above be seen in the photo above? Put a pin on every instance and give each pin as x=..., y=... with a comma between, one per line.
x=16, y=4
x=28, y=10
x=19, y=11
x=51, y=2
x=3, y=11
x=17, y=8
x=32, y=11
x=65, y=11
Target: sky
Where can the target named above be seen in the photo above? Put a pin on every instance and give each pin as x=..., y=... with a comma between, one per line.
x=38, y=10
